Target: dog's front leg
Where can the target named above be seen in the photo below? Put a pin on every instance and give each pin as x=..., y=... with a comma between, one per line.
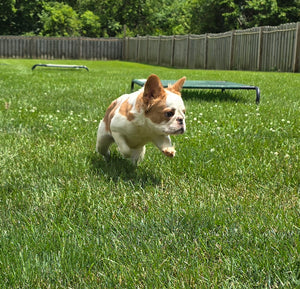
x=135, y=155
x=124, y=149
x=165, y=145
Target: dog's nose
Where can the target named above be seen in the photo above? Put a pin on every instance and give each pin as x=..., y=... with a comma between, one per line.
x=179, y=120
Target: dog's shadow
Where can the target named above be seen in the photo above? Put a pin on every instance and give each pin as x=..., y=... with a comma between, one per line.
x=117, y=168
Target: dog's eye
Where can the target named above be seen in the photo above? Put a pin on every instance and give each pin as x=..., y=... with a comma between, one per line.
x=169, y=113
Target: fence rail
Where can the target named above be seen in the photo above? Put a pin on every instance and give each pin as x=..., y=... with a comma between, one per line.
x=258, y=49
x=60, y=48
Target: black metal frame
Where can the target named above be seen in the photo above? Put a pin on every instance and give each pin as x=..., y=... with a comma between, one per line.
x=195, y=84
x=60, y=66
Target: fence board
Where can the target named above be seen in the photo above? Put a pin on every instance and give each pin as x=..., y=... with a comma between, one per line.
x=260, y=48
x=180, y=51
x=60, y=47
x=197, y=51
x=166, y=55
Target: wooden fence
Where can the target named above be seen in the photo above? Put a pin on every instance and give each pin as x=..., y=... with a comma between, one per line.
x=60, y=48
x=260, y=48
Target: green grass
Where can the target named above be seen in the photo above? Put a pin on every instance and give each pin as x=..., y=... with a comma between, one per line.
x=224, y=213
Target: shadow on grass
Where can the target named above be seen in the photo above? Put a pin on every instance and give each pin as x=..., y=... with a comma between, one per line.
x=117, y=168
x=213, y=96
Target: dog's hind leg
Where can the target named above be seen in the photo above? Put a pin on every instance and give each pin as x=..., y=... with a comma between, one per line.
x=104, y=140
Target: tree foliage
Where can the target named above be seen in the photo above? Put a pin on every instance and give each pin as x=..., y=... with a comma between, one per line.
x=90, y=24
x=7, y=14
x=94, y=18
x=59, y=19
x=245, y=13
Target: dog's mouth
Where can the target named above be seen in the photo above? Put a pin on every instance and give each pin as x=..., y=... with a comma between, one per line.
x=180, y=131
x=176, y=131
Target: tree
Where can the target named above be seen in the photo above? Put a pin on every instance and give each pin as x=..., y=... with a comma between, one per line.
x=172, y=17
x=290, y=9
x=107, y=11
x=7, y=13
x=136, y=16
x=245, y=13
x=27, y=16
x=207, y=16
x=59, y=20
x=96, y=18
x=90, y=25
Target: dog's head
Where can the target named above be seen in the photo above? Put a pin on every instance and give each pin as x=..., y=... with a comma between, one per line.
x=164, y=107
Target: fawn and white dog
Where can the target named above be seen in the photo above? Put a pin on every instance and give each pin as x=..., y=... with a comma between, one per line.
x=150, y=114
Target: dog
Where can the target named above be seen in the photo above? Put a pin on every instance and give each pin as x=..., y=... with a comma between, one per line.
x=150, y=114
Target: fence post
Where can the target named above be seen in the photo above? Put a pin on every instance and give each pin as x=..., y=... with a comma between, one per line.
x=296, y=48
x=187, y=52
x=173, y=51
x=158, y=52
x=127, y=49
x=138, y=48
x=231, y=50
x=205, y=50
x=147, y=48
x=32, y=53
x=260, y=43
x=79, y=52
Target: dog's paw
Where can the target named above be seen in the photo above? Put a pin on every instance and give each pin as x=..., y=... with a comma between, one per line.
x=169, y=152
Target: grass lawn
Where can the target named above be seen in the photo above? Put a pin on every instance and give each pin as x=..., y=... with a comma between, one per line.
x=224, y=213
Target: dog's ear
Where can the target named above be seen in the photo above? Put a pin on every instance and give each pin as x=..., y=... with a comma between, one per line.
x=153, y=89
x=177, y=86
